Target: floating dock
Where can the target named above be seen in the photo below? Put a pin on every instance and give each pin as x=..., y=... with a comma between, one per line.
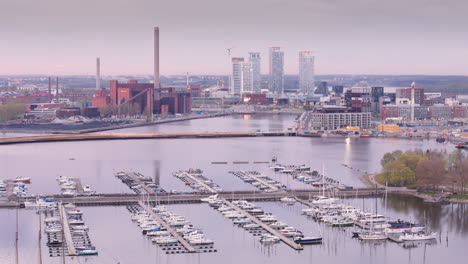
x=198, y=178
x=263, y=180
x=182, y=241
x=266, y=227
x=66, y=231
x=138, y=182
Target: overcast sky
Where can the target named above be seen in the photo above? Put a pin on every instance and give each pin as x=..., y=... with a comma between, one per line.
x=348, y=36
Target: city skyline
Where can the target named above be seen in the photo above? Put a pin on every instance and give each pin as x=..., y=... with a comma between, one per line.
x=363, y=37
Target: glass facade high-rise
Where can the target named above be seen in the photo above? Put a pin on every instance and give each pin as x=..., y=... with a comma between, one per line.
x=247, y=77
x=306, y=71
x=236, y=78
x=276, y=70
x=254, y=58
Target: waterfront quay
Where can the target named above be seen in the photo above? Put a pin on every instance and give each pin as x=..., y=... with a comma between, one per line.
x=168, y=198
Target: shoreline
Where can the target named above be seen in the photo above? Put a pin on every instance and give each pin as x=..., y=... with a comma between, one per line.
x=369, y=181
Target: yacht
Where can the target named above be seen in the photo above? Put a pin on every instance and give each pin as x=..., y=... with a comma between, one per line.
x=241, y=221
x=288, y=200
x=278, y=225
x=87, y=252
x=164, y=240
x=399, y=226
x=309, y=240
x=22, y=179
x=369, y=236
x=418, y=236
x=87, y=189
x=319, y=200
x=209, y=198
x=267, y=238
x=251, y=226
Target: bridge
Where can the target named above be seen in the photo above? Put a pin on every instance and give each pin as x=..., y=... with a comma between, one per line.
x=89, y=137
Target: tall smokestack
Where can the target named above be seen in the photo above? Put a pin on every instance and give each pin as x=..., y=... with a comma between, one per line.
x=57, y=90
x=156, y=94
x=98, y=74
x=50, y=89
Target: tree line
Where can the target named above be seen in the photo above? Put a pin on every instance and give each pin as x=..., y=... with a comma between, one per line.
x=428, y=170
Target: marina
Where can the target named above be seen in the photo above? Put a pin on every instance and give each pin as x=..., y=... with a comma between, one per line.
x=197, y=181
x=106, y=211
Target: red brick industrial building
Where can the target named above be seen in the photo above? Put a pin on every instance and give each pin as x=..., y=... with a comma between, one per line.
x=171, y=101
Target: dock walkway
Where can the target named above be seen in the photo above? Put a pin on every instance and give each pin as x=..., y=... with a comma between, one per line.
x=148, y=209
x=262, y=181
x=66, y=231
x=197, y=180
x=272, y=231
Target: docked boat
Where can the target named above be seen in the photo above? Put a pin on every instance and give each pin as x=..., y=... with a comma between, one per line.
x=241, y=221
x=375, y=236
x=278, y=225
x=290, y=200
x=267, y=238
x=399, y=226
x=251, y=226
x=320, y=200
x=209, y=198
x=418, y=236
x=309, y=240
x=200, y=241
x=87, y=189
x=164, y=240
x=22, y=179
x=87, y=252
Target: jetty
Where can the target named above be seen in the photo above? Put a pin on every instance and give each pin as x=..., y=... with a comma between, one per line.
x=66, y=231
x=272, y=231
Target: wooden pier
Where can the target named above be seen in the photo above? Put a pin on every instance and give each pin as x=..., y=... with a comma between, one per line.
x=182, y=241
x=272, y=231
x=66, y=231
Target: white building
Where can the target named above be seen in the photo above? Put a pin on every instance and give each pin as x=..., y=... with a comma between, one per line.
x=276, y=70
x=254, y=58
x=247, y=78
x=236, y=78
x=306, y=71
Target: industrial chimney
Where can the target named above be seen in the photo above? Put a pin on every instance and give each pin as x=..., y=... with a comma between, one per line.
x=57, y=90
x=50, y=90
x=98, y=74
x=156, y=91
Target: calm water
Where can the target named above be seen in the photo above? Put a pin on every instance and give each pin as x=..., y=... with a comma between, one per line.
x=120, y=240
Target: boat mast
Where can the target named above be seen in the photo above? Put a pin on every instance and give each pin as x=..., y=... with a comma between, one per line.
x=40, y=235
x=16, y=243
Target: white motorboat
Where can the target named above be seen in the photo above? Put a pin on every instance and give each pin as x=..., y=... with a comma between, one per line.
x=418, y=236
x=288, y=200
x=324, y=200
x=164, y=240
x=251, y=226
x=158, y=233
x=267, y=238
x=209, y=198
x=278, y=225
x=372, y=236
